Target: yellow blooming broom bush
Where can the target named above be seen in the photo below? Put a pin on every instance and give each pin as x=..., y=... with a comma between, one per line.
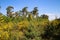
x=1, y=18
x=1, y=28
x=34, y=23
x=8, y=25
x=4, y=35
x=20, y=34
x=23, y=24
x=5, y=26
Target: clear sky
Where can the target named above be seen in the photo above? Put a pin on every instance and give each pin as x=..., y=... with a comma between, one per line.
x=49, y=7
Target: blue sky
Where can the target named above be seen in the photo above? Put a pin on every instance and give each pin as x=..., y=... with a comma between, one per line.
x=49, y=7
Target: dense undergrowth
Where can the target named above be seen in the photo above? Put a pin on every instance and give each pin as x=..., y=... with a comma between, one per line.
x=29, y=28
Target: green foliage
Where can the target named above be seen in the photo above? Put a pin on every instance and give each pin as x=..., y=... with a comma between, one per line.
x=20, y=27
x=52, y=31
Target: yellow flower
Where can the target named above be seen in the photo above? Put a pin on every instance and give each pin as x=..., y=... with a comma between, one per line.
x=20, y=33
x=23, y=24
x=6, y=34
x=1, y=28
x=10, y=24
x=4, y=26
x=0, y=35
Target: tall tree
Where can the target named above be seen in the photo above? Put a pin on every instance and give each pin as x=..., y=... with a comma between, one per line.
x=24, y=10
x=0, y=11
x=9, y=11
x=0, y=7
x=35, y=11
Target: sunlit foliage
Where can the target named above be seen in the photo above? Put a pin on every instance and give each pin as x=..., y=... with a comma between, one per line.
x=20, y=27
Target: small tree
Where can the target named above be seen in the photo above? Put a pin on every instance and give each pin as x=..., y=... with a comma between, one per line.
x=44, y=16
